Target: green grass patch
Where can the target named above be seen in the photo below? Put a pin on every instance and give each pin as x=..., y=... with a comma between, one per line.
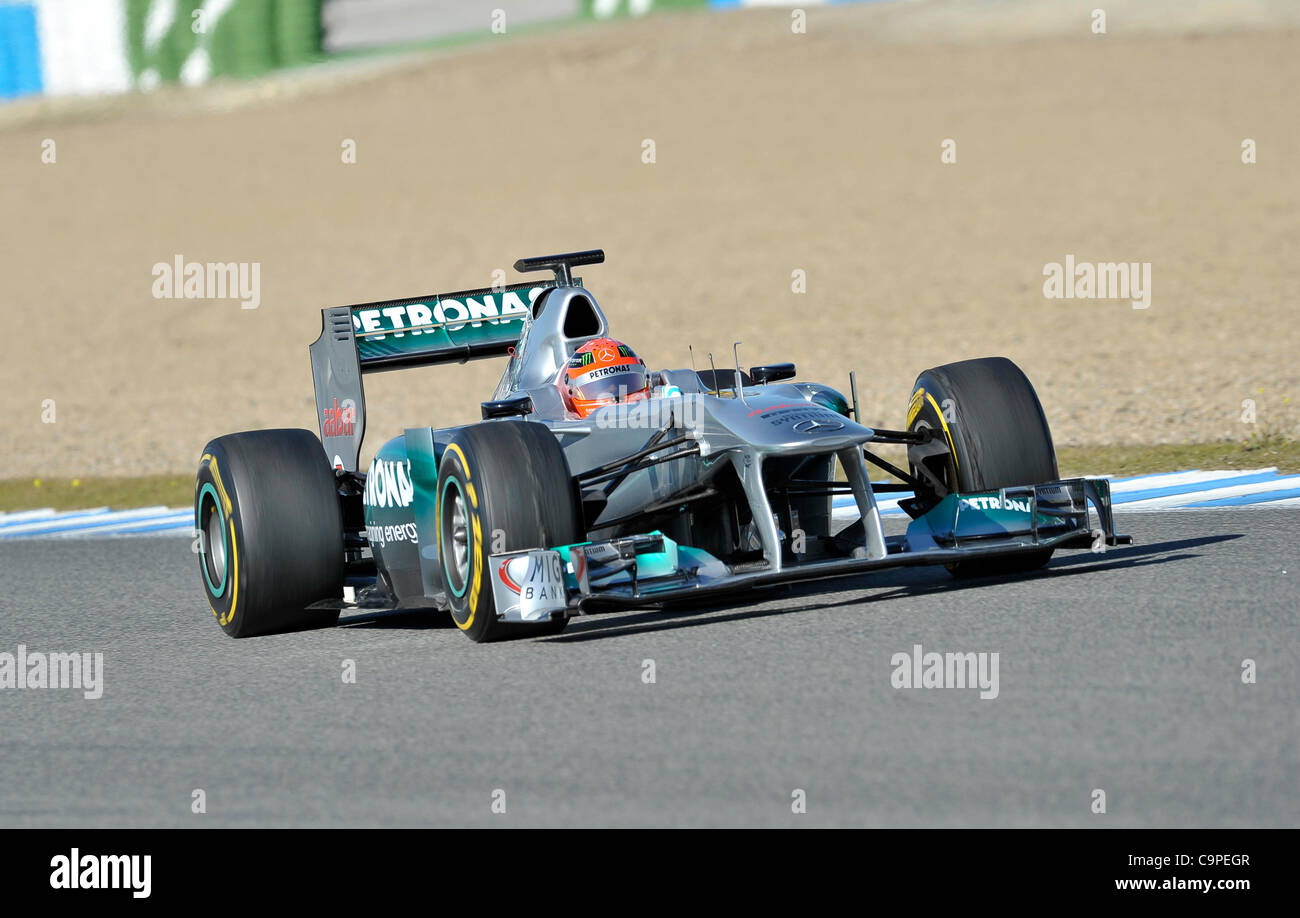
x=82, y=493
x=1121, y=461
x=178, y=490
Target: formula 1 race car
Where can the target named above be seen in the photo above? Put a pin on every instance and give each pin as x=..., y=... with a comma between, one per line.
x=593, y=483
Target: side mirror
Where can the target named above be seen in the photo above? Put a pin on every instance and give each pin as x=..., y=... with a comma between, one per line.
x=772, y=372
x=508, y=407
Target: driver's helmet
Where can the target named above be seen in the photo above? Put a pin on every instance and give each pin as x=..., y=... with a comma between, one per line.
x=603, y=372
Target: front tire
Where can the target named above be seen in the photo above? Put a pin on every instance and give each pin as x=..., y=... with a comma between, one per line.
x=997, y=435
x=508, y=483
x=270, y=532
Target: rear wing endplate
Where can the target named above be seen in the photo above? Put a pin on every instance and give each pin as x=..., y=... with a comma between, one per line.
x=397, y=334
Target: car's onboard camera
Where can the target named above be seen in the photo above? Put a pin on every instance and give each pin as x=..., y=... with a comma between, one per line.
x=592, y=483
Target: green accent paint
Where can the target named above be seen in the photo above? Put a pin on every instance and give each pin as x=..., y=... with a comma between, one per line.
x=424, y=453
x=832, y=400
x=445, y=323
x=979, y=514
x=649, y=564
x=208, y=489
x=449, y=481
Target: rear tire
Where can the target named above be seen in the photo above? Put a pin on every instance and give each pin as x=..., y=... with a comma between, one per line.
x=997, y=433
x=271, y=532
x=508, y=481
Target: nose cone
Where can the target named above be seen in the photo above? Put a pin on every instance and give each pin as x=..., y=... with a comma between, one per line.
x=789, y=426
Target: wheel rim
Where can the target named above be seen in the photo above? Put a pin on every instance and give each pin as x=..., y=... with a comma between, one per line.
x=212, y=547
x=944, y=471
x=455, y=537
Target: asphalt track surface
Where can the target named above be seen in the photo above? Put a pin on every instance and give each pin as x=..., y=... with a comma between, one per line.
x=1119, y=672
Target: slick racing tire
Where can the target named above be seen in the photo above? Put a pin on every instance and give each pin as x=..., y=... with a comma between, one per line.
x=997, y=435
x=270, y=528
x=506, y=481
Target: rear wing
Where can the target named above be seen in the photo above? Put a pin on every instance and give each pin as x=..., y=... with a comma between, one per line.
x=397, y=334
x=415, y=332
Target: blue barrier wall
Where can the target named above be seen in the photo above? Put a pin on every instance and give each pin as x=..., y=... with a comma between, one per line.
x=20, y=51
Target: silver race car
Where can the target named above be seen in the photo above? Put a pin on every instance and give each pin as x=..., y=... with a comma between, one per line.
x=594, y=483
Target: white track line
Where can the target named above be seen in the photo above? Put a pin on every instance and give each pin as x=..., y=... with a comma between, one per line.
x=1175, y=479
x=1289, y=483
x=100, y=521
x=96, y=522
x=24, y=515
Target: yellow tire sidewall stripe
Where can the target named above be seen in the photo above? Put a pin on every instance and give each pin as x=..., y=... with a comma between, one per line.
x=952, y=447
x=477, y=568
x=914, y=406
x=216, y=476
x=228, y=505
x=234, y=574
x=464, y=464
x=476, y=563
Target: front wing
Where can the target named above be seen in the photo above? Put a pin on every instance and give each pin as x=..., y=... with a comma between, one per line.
x=648, y=569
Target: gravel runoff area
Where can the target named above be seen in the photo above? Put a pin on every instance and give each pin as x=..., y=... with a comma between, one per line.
x=774, y=153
